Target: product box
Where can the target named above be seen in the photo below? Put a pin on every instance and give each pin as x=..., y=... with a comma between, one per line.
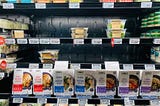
x=18, y=34
x=85, y=81
x=63, y=82
x=22, y=82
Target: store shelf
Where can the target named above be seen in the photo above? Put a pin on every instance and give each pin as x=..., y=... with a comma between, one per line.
x=93, y=41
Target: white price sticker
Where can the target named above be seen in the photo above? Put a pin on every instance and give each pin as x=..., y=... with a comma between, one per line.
x=55, y=41
x=82, y=101
x=62, y=101
x=74, y=5
x=44, y=41
x=61, y=65
x=8, y=6
x=156, y=41
x=134, y=41
x=12, y=65
x=105, y=101
x=34, y=41
x=47, y=66
x=149, y=67
x=17, y=100
x=78, y=41
x=108, y=5
x=41, y=100
x=22, y=41
x=127, y=66
x=128, y=102
x=112, y=65
x=96, y=66
x=96, y=41
x=40, y=5
x=146, y=5
x=117, y=41
x=33, y=66
x=10, y=41
x=75, y=66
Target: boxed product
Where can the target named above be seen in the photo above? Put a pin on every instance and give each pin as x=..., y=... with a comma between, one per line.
x=79, y=32
x=26, y=1
x=85, y=82
x=116, y=33
x=125, y=0
x=18, y=34
x=63, y=82
x=11, y=1
x=107, y=0
x=59, y=1
x=22, y=82
x=113, y=24
x=43, y=1
x=142, y=0
x=76, y=1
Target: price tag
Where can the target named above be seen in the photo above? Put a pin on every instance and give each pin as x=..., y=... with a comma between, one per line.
x=33, y=66
x=17, y=100
x=47, y=66
x=61, y=65
x=75, y=66
x=82, y=102
x=41, y=100
x=105, y=101
x=63, y=101
x=74, y=5
x=108, y=5
x=40, y=5
x=96, y=66
x=128, y=102
x=55, y=41
x=44, y=41
x=156, y=41
x=8, y=6
x=117, y=41
x=12, y=65
x=146, y=4
x=78, y=41
x=154, y=102
x=127, y=66
x=134, y=41
x=10, y=41
x=96, y=41
x=34, y=41
x=112, y=65
x=22, y=41
x=149, y=67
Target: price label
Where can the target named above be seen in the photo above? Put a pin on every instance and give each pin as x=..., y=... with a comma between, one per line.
x=74, y=5
x=149, y=67
x=61, y=65
x=96, y=41
x=78, y=41
x=47, y=66
x=63, y=101
x=108, y=5
x=10, y=41
x=128, y=102
x=117, y=41
x=156, y=41
x=82, y=102
x=96, y=66
x=112, y=65
x=134, y=41
x=33, y=66
x=54, y=41
x=41, y=100
x=8, y=6
x=127, y=66
x=146, y=5
x=105, y=101
x=33, y=41
x=40, y=5
x=12, y=65
x=44, y=41
x=75, y=66
x=17, y=100
x=22, y=41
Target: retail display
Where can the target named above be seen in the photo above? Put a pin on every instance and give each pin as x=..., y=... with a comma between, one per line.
x=79, y=32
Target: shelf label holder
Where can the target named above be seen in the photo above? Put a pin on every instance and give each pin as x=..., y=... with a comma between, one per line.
x=149, y=67
x=61, y=65
x=10, y=41
x=33, y=66
x=96, y=66
x=40, y=5
x=134, y=41
x=108, y=5
x=97, y=41
x=47, y=66
x=75, y=66
x=78, y=41
x=8, y=5
x=17, y=100
x=127, y=66
x=146, y=4
x=74, y=5
x=41, y=100
x=22, y=41
x=54, y=41
x=112, y=65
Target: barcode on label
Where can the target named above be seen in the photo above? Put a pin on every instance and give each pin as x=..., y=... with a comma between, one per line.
x=149, y=67
x=74, y=5
x=8, y=6
x=108, y=5
x=54, y=41
x=47, y=66
x=78, y=41
x=40, y=5
x=21, y=41
x=41, y=100
x=105, y=101
x=17, y=100
x=75, y=66
x=117, y=41
x=12, y=65
x=156, y=41
x=127, y=66
x=33, y=66
x=44, y=41
x=134, y=41
x=96, y=41
x=63, y=101
x=33, y=41
x=82, y=101
x=146, y=5
x=96, y=66
x=10, y=41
